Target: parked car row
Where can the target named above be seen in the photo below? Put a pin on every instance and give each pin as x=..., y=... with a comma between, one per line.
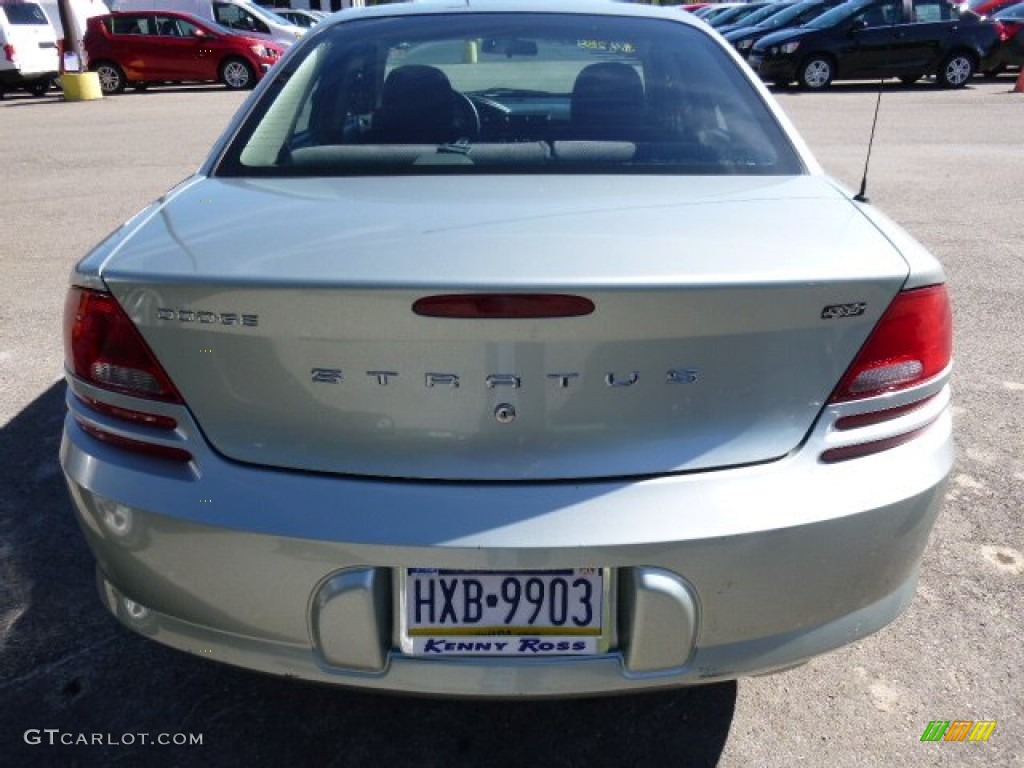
x=149, y=41
x=781, y=16
x=240, y=16
x=160, y=46
x=812, y=42
x=815, y=42
x=229, y=41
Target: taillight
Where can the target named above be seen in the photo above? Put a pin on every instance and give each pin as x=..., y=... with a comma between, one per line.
x=912, y=343
x=103, y=347
x=9, y=52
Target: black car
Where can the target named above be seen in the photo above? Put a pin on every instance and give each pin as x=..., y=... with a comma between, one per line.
x=735, y=14
x=761, y=14
x=861, y=39
x=790, y=16
x=711, y=12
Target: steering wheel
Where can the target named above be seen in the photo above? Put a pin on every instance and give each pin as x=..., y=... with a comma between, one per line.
x=466, y=117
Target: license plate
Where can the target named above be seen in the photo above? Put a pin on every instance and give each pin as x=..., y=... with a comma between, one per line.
x=504, y=613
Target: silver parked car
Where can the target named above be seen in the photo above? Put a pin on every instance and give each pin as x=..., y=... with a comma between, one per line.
x=571, y=371
x=300, y=17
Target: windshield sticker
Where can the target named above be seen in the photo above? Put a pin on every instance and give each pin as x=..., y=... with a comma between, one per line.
x=611, y=46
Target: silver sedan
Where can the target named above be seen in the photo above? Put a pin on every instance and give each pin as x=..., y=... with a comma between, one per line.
x=568, y=372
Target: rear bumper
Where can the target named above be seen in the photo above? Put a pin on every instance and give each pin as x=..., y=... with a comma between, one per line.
x=511, y=678
x=718, y=575
x=1004, y=56
x=16, y=78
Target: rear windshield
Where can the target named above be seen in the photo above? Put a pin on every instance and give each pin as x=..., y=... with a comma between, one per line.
x=24, y=13
x=509, y=93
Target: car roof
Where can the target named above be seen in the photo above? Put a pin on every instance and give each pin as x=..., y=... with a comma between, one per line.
x=160, y=12
x=590, y=7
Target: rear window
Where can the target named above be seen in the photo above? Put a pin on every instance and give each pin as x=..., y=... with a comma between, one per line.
x=509, y=93
x=24, y=13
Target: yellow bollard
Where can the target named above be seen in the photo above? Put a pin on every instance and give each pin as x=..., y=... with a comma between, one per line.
x=81, y=86
x=471, y=52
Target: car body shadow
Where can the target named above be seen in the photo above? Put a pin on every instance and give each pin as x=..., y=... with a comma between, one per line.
x=70, y=675
x=18, y=100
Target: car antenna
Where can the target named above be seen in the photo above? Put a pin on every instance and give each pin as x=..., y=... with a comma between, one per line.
x=861, y=196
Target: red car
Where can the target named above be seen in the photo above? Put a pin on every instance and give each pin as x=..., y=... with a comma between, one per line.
x=143, y=47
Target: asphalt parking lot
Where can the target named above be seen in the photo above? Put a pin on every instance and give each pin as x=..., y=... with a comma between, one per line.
x=948, y=165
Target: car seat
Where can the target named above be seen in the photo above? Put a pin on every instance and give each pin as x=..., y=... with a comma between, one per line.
x=417, y=106
x=607, y=102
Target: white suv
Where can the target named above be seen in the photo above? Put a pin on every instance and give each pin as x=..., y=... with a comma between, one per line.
x=28, y=48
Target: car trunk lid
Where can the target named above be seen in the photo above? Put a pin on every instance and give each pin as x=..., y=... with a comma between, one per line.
x=283, y=311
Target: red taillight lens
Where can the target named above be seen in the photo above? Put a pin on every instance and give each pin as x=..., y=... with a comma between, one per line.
x=132, y=417
x=9, y=52
x=859, y=450
x=103, y=347
x=877, y=417
x=912, y=342
x=136, y=446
